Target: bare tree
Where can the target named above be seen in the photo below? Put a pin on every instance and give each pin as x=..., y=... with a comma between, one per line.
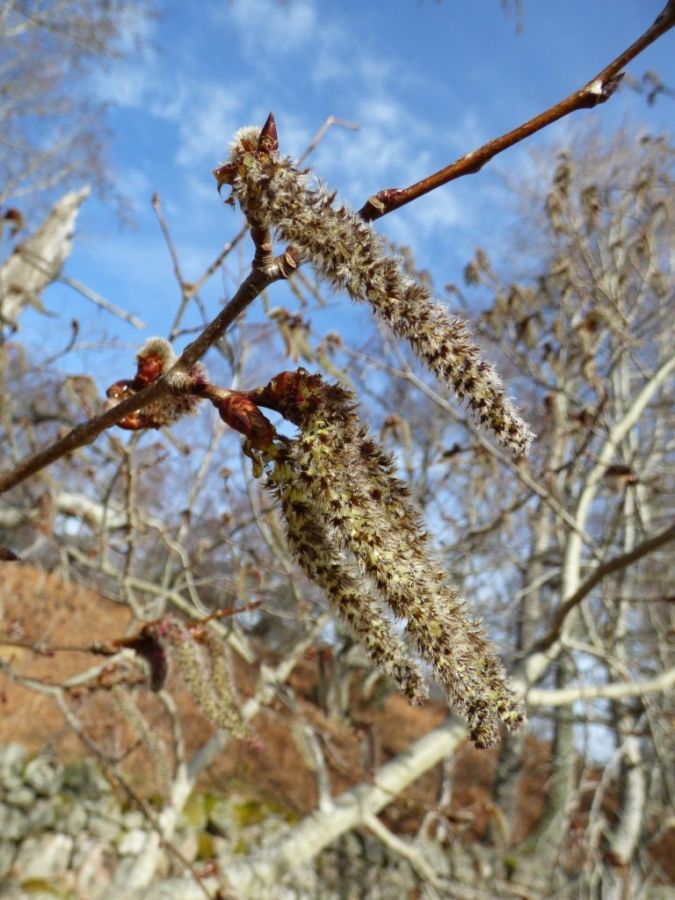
x=53, y=135
x=585, y=340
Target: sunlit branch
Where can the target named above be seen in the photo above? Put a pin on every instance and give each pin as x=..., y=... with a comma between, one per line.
x=567, y=696
x=85, y=433
x=616, y=564
x=598, y=90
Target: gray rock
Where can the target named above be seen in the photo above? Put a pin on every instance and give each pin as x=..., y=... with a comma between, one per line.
x=105, y=827
x=85, y=779
x=7, y=854
x=71, y=817
x=43, y=776
x=12, y=823
x=40, y=817
x=132, y=842
x=22, y=797
x=12, y=760
x=92, y=863
x=104, y=805
x=44, y=856
x=133, y=820
x=177, y=889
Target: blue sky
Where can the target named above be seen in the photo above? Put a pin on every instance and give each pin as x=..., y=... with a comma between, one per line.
x=425, y=81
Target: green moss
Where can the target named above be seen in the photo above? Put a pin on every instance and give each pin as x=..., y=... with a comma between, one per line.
x=251, y=812
x=206, y=848
x=196, y=811
x=42, y=886
x=241, y=848
x=511, y=865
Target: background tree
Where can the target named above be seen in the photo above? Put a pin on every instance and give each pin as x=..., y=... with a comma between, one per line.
x=566, y=556
x=53, y=133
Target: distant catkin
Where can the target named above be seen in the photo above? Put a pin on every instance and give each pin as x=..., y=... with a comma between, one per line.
x=351, y=256
x=205, y=670
x=335, y=479
x=153, y=741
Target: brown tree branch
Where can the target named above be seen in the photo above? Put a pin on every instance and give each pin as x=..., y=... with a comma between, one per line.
x=615, y=564
x=598, y=90
x=254, y=284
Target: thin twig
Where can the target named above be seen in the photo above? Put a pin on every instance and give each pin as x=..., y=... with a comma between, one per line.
x=101, y=301
x=41, y=649
x=85, y=433
x=194, y=287
x=171, y=247
x=318, y=137
x=598, y=90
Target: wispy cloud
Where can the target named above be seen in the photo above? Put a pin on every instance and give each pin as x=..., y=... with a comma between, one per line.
x=271, y=28
x=207, y=121
x=302, y=61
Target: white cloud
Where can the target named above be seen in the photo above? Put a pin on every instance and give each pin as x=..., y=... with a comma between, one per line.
x=438, y=215
x=206, y=113
x=127, y=84
x=209, y=116
x=273, y=28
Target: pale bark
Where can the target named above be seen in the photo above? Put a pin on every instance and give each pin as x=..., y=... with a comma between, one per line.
x=38, y=260
x=354, y=808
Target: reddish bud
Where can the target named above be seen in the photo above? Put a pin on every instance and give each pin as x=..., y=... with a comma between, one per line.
x=283, y=388
x=224, y=175
x=13, y=216
x=155, y=357
x=242, y=414
x=293, y=392
x=149, y=369
x=268, y=142
x=137, y=421
x=120, y=390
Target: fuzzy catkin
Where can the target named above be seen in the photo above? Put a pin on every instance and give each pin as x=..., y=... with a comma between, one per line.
x=155, y=745
x=346, y=590
x=351, y=256
x=155, y=358
x=334, y=480
x=206, y=675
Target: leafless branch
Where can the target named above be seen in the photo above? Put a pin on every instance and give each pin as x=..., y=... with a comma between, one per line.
x=100, y=301
x=598, y=90
x=616, y=564
x=616, y=691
